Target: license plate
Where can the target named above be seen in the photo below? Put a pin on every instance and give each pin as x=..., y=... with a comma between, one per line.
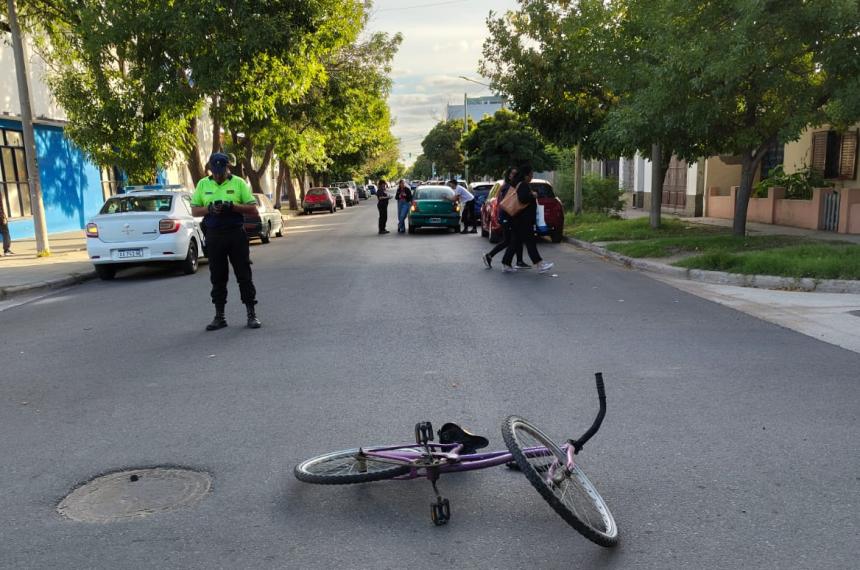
x=126, y=253
x=435, y=220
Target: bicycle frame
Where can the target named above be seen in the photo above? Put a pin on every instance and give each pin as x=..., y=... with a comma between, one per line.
x=446, y=458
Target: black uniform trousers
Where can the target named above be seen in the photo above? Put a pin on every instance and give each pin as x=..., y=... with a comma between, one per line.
x=468, y=217
x=230, y=244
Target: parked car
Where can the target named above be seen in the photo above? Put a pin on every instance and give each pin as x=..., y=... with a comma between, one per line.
x=338, y=197
x=372, y=189
x=145, y=227
x=350, y=195
x=363, y=194
x=553, y=212
x=319, y=199
x=266, y=223
x=480, y=190
x=433, y=206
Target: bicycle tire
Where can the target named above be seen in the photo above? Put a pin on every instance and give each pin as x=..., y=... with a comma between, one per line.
x=593, y=519
x=324, y=470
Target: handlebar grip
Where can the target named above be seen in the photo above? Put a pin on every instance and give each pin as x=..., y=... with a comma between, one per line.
x=601, y=391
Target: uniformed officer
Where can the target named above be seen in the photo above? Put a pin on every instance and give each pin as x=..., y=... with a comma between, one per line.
x=222, y=199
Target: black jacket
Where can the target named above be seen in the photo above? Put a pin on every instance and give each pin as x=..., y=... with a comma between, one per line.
x=404, y=194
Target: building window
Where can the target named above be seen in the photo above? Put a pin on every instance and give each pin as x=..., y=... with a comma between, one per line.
x=14, y=189
x=834, y=155
x=111, y=181
x=774, y=157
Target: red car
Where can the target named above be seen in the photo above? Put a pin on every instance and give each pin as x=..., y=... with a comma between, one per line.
x=553, y=212
x=319, y=199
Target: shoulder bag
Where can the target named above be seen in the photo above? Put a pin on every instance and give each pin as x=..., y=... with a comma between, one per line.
x=511, y=203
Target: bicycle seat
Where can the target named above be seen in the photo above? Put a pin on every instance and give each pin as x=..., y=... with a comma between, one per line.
x=452, y=433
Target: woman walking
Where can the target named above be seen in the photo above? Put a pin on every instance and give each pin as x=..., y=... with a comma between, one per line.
x=403, y=197
x=505, y=222
x=523, y=224
x=382, y=198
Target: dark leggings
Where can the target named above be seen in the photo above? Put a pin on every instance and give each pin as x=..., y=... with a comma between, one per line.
x=383, y=214
x=507, y=238
x=523, y=235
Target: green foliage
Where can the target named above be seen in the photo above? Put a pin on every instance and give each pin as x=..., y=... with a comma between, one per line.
x=504, y=140
x=601, y=194
x=702, y=244
x=422, y=169
x=442, y=147
x=798, y=186
x=599, y=227
x=817, y=261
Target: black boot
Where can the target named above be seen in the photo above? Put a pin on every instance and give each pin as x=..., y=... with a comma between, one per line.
x=253, y=321
x=219, y=322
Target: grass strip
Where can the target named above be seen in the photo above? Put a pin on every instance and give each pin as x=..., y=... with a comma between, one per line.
x=597, y=227
x=666, y=247
x=817, y=261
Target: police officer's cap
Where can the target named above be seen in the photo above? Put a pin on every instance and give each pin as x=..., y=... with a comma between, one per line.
x=218, y=162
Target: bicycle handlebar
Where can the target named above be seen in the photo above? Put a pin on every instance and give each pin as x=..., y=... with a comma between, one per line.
x=578, y=444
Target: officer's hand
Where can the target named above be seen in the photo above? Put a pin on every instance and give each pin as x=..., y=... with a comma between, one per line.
x=215, y=209
x=228, y=207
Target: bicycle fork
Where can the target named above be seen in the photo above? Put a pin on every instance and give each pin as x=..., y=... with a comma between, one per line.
x=440, y=509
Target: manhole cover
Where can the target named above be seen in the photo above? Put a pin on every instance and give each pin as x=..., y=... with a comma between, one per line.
x=135, y=493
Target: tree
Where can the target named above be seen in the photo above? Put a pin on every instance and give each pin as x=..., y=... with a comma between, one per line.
x=505, y=140
x=442, y=146
x=546, y=58
x=422, y=169
x=743, y=75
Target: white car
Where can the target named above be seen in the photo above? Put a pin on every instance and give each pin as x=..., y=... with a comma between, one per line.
x=349, y=191
x=145, y=227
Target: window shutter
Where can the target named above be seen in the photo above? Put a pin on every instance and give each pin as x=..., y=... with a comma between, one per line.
x=819, y=151
x=848, y=156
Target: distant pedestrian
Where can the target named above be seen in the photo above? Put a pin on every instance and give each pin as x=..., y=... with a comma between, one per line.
x=467, y=206
x=4, y=229
x=505, y=223
x=403, y=196
x=523, y=223
x=223, y=199
x=382, y=198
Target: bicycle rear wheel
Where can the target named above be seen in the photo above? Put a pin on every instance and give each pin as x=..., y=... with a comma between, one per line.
x=571, y=494
x=347, y=467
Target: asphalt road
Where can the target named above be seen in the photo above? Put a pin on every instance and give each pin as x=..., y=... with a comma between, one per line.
x=729, y=442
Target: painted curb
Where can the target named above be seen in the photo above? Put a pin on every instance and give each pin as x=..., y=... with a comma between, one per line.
x=720, y=277
x=73, y=279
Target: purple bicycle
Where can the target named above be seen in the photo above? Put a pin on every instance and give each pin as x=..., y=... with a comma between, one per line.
x=549, y=467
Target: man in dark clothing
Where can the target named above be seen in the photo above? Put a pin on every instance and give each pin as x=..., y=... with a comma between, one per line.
x=4, y=229
x=382, y=198
x=223, y=199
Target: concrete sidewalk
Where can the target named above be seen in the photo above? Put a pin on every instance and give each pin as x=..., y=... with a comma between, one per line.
x=25, y=272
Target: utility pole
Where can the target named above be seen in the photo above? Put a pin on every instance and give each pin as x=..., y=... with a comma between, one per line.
x=33, y=179
x=466, y=132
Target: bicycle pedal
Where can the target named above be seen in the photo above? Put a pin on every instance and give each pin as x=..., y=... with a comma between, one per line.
x=423, y=433
x=440, y=511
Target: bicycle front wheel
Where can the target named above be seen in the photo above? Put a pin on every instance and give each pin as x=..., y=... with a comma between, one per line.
x=570, y=494
x=347, y=467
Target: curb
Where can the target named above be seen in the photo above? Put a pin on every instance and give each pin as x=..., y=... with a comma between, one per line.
x=73, y=279
x=720, y=277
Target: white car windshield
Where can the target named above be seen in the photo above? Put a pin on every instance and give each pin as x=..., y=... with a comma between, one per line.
x=131, y=203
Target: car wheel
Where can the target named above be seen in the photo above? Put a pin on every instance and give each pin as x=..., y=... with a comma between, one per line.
x=264, y=236
x=484, y=233
x=494, y=236
x=105, y=272
x=556, y=235
x=192, y=260
x=412, y=229
x=280, y=232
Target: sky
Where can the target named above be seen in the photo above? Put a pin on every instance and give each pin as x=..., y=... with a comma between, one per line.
x=442, y=40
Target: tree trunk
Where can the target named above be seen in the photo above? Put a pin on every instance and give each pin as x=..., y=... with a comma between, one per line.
x=279, y=185
x=216, y=125
x=291, y=191
x=303, y=182
x=751, y=160
x=195, y=165
x=656, y=185
x=577, y=181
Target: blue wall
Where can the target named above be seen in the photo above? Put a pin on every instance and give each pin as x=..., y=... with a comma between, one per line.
x=71, y=184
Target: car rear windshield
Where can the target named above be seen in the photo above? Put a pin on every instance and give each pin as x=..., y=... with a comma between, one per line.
x=334, y=190
x=483, y=188
x=543, y=190
x=434, y=194
x=122, y=204
x=316, y=192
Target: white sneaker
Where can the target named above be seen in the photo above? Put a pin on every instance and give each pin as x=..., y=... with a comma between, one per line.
x=508, y=269
x=545, y=266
